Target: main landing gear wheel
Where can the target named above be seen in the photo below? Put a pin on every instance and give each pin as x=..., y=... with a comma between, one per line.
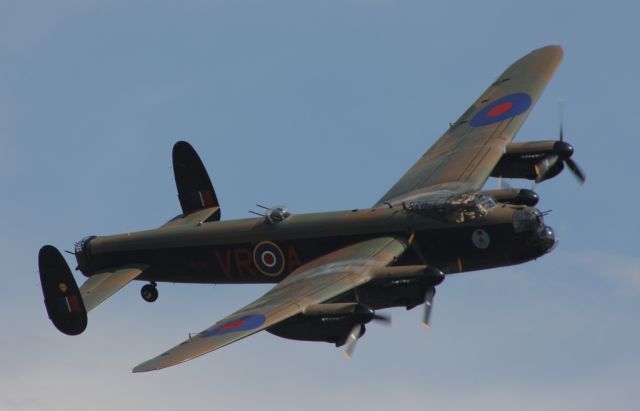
x=149, y=292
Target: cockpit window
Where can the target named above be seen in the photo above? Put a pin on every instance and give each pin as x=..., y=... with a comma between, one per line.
x=457, y=209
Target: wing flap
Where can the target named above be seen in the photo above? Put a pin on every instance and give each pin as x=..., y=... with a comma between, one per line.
x=313, y=283
x=103, y=285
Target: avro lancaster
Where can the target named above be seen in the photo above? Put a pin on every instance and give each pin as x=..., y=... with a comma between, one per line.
x=335, y=271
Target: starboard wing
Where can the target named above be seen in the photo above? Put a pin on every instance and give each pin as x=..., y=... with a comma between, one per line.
x=313, y=283
x=462, y=159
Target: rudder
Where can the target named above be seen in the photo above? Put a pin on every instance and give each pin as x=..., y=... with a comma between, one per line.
x=62, y=298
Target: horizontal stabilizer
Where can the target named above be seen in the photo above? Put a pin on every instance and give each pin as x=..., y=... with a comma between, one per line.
x=195, y=218
x=195, y=190
x=61, y=295
x=103, y=285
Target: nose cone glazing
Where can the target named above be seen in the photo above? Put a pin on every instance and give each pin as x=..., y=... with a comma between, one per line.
x=547, y=239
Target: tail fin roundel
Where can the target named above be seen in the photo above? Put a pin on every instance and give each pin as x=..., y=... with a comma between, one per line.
x=195, y=190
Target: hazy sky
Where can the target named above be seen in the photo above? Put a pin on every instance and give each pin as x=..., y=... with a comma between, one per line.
x=319, y=105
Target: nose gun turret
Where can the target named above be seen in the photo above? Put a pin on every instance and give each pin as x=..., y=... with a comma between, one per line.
x=530, y=223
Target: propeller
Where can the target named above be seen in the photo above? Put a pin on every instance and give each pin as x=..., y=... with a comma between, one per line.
x=582, y=178
x=359, y=329
x=428, y=305
x=432, y=275
x=380, y=318
x=383, y=319
x=564, y=151
x=436, y=277
x=352, y=339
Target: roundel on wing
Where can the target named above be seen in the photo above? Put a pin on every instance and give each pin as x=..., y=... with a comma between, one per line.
x=502, y=109
x=245, y=323
x=268, y=258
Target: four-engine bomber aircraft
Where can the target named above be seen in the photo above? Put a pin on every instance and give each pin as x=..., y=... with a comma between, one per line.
x=335, y=270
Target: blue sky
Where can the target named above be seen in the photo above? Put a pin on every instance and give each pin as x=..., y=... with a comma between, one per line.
x=320, y=106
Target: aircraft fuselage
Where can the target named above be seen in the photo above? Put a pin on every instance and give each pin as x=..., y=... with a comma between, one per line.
x=256, y=251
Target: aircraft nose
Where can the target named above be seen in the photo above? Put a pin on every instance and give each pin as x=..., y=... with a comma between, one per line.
x=547, y=239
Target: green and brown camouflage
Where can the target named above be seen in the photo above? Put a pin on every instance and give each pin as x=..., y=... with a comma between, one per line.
x=333, y=270
x=224, y=252
x=464, y=157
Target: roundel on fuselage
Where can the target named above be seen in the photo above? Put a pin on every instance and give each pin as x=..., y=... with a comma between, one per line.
x=268, y=258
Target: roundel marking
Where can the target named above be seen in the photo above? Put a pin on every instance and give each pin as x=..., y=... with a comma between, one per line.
x=480, y=239
x=245, y=323
x=268, y=258
x=502, y=109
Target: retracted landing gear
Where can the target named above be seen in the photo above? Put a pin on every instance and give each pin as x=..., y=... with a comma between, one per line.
x=149, y=292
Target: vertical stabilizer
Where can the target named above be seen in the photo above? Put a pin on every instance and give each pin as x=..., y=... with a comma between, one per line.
x=61, y=295
x=195, y=190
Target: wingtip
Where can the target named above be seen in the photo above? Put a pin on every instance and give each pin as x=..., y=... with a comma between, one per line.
x=146, y=366
x=554, y=50
x=141, y=368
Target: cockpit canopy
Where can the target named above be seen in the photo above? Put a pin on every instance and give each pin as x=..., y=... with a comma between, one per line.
x=456, y=208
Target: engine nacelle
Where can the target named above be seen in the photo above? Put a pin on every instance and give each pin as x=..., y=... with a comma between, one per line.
x=524, y=160
x=324, y=322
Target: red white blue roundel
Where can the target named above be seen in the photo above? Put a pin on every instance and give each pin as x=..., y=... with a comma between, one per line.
x=502, y=109
x=248, y=322
x=268, y=258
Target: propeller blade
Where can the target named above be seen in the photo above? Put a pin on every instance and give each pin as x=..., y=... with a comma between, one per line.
x=382, y=319
x=576, y=170
x=543, y=167
x=352, y=339
x=428, y=303
x=561, y=109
